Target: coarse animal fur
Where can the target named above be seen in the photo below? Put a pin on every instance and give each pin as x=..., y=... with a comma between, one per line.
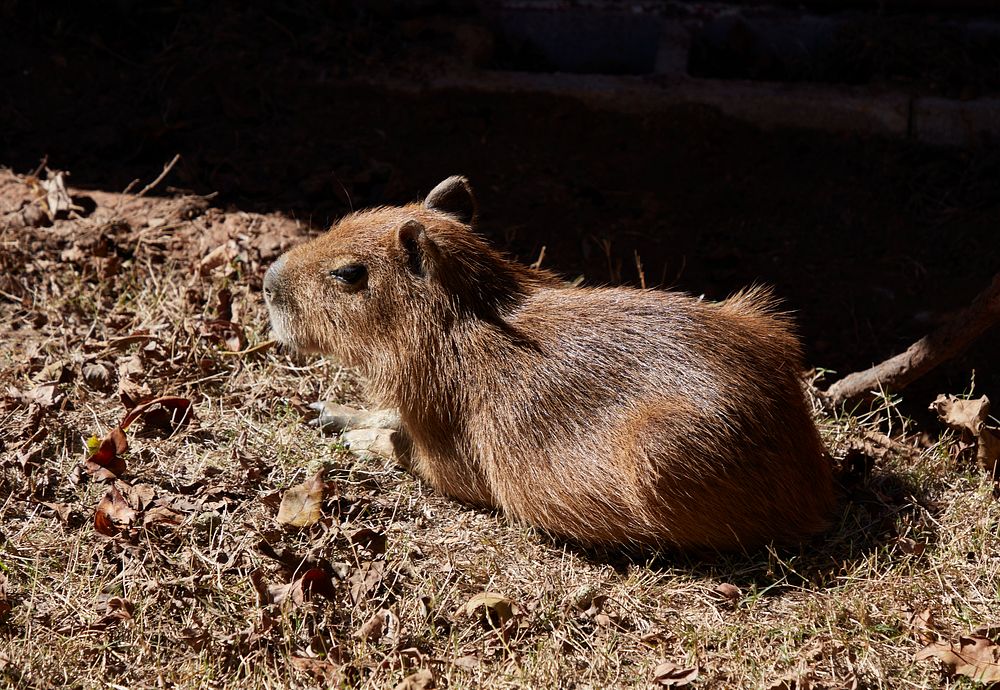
x=610, y=416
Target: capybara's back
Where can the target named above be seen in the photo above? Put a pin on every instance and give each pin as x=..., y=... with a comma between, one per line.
x=660, y=419
x=604, y=415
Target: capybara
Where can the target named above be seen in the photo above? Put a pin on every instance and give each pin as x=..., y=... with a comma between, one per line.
x=607, y=416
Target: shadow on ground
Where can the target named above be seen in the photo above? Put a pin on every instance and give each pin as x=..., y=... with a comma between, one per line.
x=869, y=242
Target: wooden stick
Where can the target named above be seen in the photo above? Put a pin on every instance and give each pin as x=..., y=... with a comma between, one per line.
x=166, y=169
x=897, y=372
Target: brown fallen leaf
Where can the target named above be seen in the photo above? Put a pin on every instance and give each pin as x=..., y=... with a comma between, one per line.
x=469, y=661
x=301, y=505
x=220, y=255
x=139, y=496
x=97, y=375
x=292, y=562
x=298, y=591
x=113, y=513
x=45, y=395
x=727, y=592
x=407, y=658
x=63, y=511
x=590, y=603
x=974, y=656
x=5, y=604
x=493, y=610
x=970, y=417
x=924, y=625
x=131, y=380
x=988, y=451
x=365, y=580
x=179, y=409
x=117, y=610
x=166, y=419
x=910, y=546
x=960, y=414
x=421, y=680
x=670, y=675
x=161, y=515
x=368, y=538
x=383, y=623
x=655, y=637
x=323, y=671
x=103, y=462
x=226, y=334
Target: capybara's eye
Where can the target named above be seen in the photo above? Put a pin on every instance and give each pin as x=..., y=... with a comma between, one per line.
x=350, y=274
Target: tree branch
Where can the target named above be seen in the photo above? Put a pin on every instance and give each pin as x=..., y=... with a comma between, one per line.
x=897, y=372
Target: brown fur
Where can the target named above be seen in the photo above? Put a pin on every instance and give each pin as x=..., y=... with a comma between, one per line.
x=604, y=415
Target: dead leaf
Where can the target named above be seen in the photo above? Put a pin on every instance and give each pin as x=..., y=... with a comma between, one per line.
x=656, y=637
x=408, y=658
x=301, y=505
x=910, y=546
x=383, y=623
x=468, y=661
x=117, y=610
x=179, y=409
x=960, y=414
x=727, y=592
x=45, y=395
x=104, y=463
x=139, y=496
x=421, y=680
x=970, y=417
x=113, y=513
x=322, y=671
x=988, y=451
x=96, y=375
x=974, y=656
x=57, y=199
x=223, y=254
x=493, y=610
x=365, y=580
x=63, y=511
x=195, y=638
x=131, y=381
x=227, y=334
x=924, y=625
x=369, y=539
x=298, y=591
x=5, y=604
x=161, y=515
x=670, y=675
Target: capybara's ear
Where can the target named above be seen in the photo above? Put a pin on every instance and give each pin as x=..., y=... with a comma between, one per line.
x=413, y=241
x=453, y=196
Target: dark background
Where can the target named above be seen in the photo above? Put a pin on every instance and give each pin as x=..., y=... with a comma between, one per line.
x=276, y=106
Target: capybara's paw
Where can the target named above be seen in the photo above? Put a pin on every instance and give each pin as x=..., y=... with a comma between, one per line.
x=386, y=444
x=335, y=418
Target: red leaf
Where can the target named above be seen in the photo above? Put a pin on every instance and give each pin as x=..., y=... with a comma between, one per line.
x=105, y=464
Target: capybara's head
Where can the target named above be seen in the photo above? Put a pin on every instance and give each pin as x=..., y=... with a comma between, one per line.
x=381, y=276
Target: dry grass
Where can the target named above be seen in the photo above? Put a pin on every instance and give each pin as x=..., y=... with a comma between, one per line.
x=919, y=530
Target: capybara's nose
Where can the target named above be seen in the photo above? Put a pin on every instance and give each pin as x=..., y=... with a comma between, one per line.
x=271, y=278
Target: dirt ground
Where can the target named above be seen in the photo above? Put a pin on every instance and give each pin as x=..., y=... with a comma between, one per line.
x=870, y=242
